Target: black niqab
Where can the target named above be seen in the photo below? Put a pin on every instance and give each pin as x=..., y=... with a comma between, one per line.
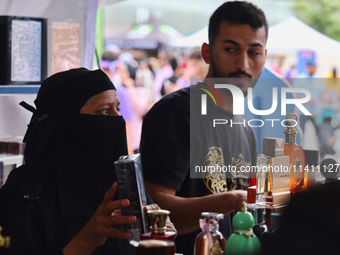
x=69, y=152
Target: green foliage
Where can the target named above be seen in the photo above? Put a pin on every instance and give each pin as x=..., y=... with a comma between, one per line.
x=322, y=15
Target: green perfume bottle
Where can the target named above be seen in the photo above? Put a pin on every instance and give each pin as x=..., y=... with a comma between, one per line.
x=243, y=241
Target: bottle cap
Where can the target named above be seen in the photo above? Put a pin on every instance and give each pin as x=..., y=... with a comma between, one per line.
x=212, y=215
x=272, y=146
x=291, y=132
x=211, y=220
x=157, y=220
x=243, y=220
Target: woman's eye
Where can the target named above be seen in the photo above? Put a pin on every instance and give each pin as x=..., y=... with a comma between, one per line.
x=106, y=111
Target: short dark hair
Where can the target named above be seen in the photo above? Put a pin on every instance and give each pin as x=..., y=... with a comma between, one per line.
x=240, y=12
x=110, y=56
x=173, y=63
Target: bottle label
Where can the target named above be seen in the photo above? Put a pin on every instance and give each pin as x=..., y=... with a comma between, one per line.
x=297, y=165
x=297, y=173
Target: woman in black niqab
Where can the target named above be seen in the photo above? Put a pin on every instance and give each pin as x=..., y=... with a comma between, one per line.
x=68, y=167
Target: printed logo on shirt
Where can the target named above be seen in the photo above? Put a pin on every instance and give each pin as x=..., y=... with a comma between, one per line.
x=216, y=181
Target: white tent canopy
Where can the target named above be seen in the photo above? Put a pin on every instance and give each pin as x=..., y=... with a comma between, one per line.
x=285, y=37
x=291, y=35
x=196, y=39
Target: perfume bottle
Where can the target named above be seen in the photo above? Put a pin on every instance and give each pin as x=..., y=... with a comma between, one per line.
x=273, y=180
x=263, y=184
x=260, y=228
x=295, y=153
x=243, y=241
x=268, y=162
x=157, y=220
x=210, y=241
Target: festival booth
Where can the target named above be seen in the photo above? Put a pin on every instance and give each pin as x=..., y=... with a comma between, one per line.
x=286, y=40
x=68, y=35
x=64, y=38
x=39, y=37
x=291, y=36
x=150, y=36
x=194, y=40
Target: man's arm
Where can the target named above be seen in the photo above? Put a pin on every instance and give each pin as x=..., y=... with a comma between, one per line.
x=186, y=212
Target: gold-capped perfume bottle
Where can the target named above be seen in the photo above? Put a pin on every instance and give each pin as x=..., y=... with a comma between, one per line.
x=295, y=153
x=157, y=223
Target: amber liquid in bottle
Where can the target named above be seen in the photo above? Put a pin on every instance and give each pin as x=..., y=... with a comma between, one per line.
x=295, y=153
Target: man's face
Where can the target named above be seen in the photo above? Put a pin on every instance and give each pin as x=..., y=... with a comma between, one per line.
x=105, y=103
x=162, y=58
x=237, y=52
x=311, y=69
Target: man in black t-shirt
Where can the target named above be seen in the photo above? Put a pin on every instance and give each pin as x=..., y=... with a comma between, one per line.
x=177, y=138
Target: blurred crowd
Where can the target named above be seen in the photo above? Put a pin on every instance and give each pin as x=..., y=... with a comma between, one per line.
x=142, y=82
x=324, y=124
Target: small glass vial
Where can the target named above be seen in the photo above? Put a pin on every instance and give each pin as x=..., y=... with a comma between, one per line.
x=263, y=182
x=210, y=241
x=157, y=220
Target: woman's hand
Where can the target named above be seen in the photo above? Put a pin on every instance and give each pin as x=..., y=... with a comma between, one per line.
x=99, y=227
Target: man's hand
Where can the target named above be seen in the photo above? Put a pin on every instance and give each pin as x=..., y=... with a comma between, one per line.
x=235, y=198
x=186, y=212
x=99, y=227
